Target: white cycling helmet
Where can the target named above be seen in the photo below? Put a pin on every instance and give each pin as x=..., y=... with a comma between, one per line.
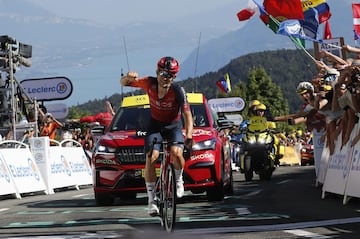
x=304, y=87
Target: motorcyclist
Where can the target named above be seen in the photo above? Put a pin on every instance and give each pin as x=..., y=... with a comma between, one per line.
x=260, y=111
x=259, y=150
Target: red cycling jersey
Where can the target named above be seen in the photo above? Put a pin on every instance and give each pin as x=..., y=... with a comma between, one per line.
x=167, y=109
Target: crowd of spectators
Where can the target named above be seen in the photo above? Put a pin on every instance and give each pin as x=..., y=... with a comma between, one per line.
x=331, y=99
x=78, y=130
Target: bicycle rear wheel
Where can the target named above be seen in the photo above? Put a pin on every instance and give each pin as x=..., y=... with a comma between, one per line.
x=169, y=213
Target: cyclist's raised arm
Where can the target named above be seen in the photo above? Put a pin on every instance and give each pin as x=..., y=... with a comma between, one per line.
x=130, y=77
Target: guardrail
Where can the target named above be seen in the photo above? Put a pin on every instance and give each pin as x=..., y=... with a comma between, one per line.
x=41, y=167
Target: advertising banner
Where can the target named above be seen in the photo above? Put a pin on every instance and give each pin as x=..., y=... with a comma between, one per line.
x=6, y=182
x=23, y=170
x=47, y=89
x=230, y=104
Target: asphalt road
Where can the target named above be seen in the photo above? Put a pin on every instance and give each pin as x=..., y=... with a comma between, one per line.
x=288, y=206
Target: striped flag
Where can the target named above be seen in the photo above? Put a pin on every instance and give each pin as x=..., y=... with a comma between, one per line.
x=356, y=19
x=224, y=83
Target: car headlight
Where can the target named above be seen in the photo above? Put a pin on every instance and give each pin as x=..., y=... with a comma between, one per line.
x=203, y=145
x=252, y=141
x=262, y=141
x=105, y=149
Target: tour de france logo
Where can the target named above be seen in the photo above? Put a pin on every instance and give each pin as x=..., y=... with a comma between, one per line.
x=38, y=143
x=61, y=87
x=39, y=158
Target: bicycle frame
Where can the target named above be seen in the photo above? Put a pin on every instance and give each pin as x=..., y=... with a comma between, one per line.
x=165, y=194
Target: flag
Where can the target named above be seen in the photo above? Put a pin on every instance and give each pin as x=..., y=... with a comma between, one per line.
x=224, y=83
x=327, y=31
x=356, y=19
x=306, y=29
x=248, y=12
x=274, y=24
x=320, y=6
x=282, y=10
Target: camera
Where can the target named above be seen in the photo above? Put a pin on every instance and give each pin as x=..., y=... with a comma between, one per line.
x=21, y=53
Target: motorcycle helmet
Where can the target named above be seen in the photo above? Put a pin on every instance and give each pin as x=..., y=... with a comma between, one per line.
x=304, y=87
x=260, y=107
x=168, y=64
x=254, y=103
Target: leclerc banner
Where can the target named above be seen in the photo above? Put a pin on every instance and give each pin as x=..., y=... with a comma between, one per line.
x=230, y=104
x=47, y=89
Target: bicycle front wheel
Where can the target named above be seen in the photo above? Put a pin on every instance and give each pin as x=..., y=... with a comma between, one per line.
x=170, y=199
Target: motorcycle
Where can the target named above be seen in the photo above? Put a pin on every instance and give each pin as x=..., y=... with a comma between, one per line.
x=236, y=139
x=258, y=150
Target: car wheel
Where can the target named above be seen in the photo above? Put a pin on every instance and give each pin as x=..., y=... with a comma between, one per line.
x=103, y=200
x=266, y=172
x=229, y=188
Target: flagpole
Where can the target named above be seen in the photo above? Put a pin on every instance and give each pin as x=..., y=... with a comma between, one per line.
x=196, y=61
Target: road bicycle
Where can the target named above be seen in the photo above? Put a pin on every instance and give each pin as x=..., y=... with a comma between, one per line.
x=165, y=188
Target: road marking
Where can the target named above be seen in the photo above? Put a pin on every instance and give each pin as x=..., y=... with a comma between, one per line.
x=80, y=195
x=304, y=233
x=36, y=212
x=285, y=181
x=276, y=227
x=4, y=209
x=242, y=211
x=28, y=224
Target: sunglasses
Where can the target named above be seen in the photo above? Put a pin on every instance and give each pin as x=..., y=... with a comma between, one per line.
x=330, y=78
x=166, y=74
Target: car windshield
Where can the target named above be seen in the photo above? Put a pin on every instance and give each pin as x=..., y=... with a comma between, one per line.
x=138, y=118
x=199, y=115
x=131, y=118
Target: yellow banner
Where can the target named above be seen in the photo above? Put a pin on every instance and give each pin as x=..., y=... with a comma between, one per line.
x=306, y=4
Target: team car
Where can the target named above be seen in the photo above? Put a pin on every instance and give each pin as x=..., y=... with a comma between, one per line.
x=118, y=161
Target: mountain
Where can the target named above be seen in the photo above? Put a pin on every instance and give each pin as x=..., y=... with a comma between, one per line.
x=274, y=63
x=93, y=55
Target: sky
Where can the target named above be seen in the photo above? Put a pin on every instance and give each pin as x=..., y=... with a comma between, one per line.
x=125, y=11
x=122, y=12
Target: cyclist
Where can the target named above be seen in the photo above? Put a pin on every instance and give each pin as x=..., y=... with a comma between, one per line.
x=168, y=102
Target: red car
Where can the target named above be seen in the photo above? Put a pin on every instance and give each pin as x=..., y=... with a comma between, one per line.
x=307, y=153
x=118, y=161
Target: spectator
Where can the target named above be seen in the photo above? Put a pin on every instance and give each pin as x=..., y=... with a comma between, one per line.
x=344, y=97
x=29, y=133
x=50, y=126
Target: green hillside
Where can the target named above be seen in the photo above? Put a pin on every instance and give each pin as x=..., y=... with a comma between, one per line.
x=286, y=69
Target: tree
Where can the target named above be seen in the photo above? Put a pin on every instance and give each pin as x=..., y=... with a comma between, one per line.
x=261, y=87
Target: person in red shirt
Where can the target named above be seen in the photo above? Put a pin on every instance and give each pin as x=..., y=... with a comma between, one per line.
x=168, y=102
